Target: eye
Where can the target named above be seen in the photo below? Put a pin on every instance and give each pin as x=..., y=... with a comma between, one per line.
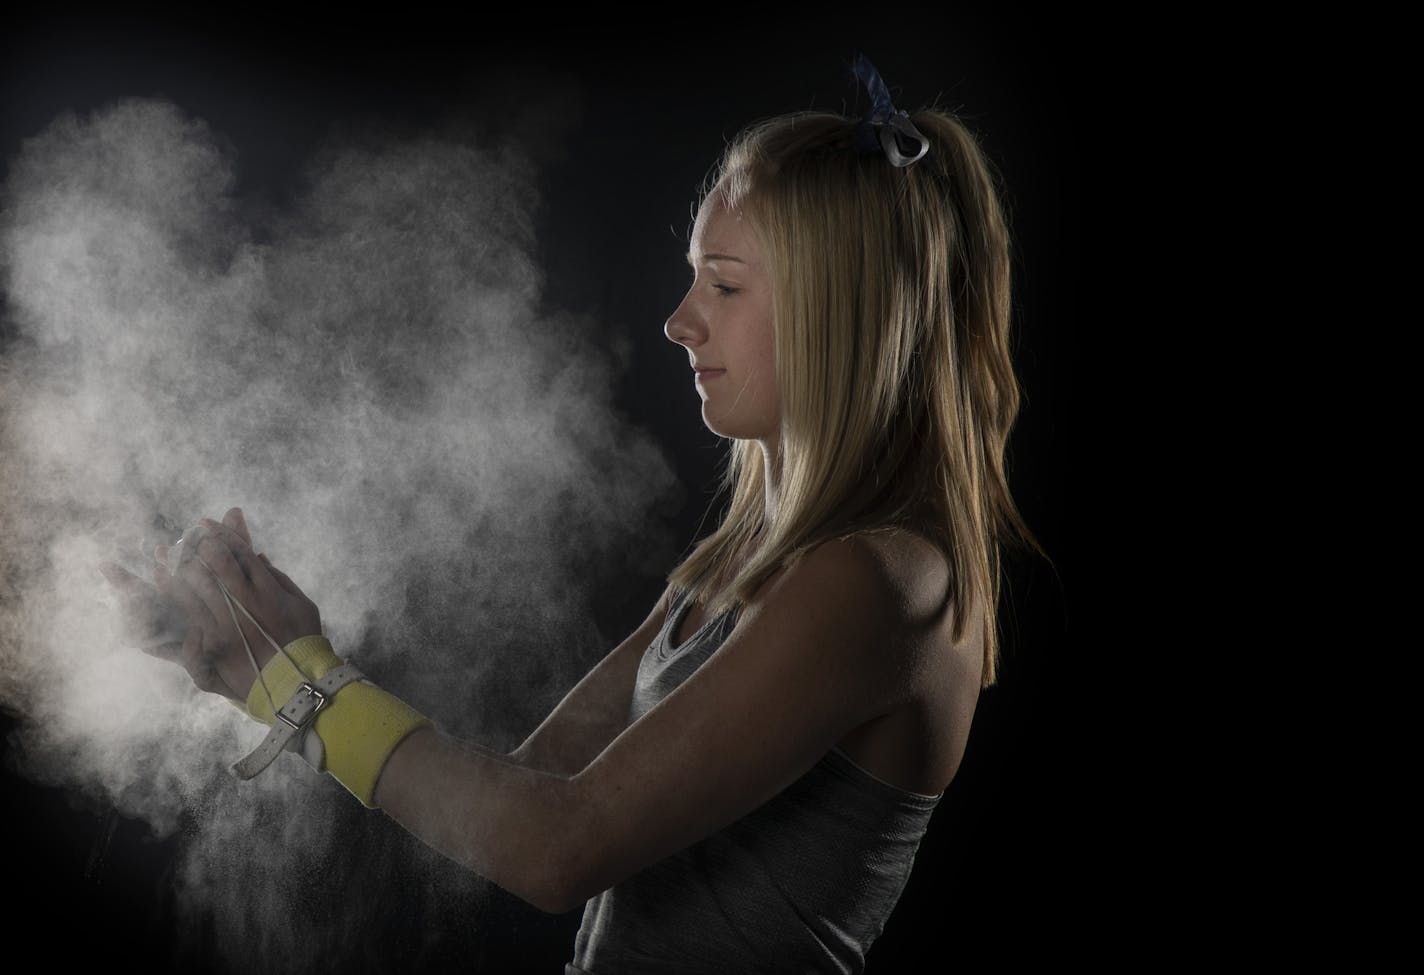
x=726, y=289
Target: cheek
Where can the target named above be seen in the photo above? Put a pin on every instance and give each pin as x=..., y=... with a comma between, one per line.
x=768, y=347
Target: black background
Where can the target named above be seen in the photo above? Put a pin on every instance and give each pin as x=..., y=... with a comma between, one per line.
x=618, y=170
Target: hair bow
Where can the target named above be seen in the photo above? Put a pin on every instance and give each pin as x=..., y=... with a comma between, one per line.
x=884, y=129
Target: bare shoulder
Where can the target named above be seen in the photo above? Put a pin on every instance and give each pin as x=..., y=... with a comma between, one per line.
x=919, y=744
x=905, y=579
x=899, y=573
x=912, y=565
x=893, y=580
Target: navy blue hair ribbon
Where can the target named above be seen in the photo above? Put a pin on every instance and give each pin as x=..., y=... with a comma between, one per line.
x=884, y=129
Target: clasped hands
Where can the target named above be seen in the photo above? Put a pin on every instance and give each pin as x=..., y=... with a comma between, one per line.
x=184, y=596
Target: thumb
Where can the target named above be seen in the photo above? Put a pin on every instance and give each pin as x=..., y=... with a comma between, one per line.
x=121, y=579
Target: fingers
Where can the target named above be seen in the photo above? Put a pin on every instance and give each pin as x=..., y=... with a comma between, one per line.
x=237, y=549
x=277, y=607
x=194, y=607
x=198, y=593
x=146, y=618
x=204, y=590
x=208, y=566
x=222, y=561
x=215, y=633
x=241, y=551
x=200, y=664
x=232, y=526
x=235, y=520
x=192, y=582
x=213, y=563
x=172, y=652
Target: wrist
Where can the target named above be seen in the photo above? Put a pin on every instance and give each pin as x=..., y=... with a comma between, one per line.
x=315, y=658
x=357, y=729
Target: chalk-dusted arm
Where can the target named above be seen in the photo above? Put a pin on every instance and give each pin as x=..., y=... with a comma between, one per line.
x=825, y=647
x=822, y=648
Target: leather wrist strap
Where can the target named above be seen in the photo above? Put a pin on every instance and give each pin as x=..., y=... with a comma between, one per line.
x=294, y=717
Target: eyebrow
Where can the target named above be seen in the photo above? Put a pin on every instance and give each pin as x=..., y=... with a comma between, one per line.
x=715, y=257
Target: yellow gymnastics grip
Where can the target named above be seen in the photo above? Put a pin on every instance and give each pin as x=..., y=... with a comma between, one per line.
x=359, y=727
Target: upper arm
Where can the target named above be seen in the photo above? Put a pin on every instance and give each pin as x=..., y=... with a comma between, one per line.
x=823, y=647
x=596, y=710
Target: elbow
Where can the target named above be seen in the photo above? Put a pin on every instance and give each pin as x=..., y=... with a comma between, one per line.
x=556, y=901
x=559, y=885
x=547, y=900
x=542, y=876
x=561, y=870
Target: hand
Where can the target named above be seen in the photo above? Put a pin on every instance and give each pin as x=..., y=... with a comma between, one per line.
x=149, y=618
x=160, y=620
x=213, y=556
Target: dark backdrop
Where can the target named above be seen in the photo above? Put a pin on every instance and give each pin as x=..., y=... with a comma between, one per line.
x=658, y=100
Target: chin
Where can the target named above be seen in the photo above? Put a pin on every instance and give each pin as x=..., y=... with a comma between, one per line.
x=730, y=432
x=720, y=426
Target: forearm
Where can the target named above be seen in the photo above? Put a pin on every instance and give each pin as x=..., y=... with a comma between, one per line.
x=568, y=748
x=515, y=825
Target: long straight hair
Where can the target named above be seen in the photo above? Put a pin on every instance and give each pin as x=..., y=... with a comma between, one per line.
x=891, y=307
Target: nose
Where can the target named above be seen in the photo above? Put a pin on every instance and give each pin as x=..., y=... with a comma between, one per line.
x=684, y=326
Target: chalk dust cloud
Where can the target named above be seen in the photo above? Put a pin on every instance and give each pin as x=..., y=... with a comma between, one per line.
x=374, y=374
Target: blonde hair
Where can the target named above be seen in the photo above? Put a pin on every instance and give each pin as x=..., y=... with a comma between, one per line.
x=892, y=358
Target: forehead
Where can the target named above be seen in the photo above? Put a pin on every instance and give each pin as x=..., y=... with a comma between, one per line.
x=719, y=230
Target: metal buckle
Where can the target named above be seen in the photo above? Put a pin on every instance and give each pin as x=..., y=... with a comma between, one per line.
x=313, y=697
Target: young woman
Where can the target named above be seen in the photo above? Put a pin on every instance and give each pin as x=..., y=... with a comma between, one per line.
x=741, y=784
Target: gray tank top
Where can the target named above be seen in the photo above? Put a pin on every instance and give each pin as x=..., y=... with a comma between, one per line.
x=802, y=884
